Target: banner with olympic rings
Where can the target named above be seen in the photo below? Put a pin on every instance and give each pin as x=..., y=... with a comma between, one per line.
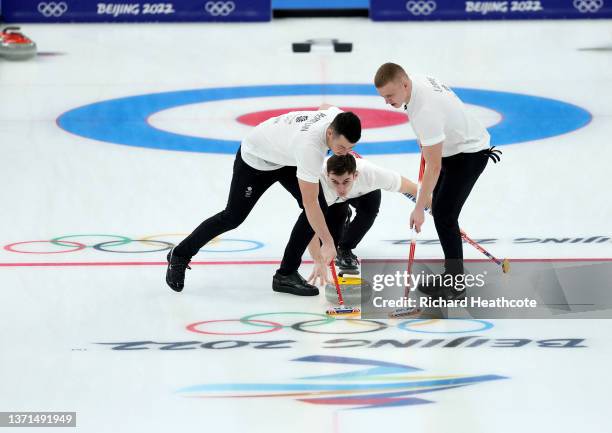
x=432, y=10
x=136, y=11
x=119, y=244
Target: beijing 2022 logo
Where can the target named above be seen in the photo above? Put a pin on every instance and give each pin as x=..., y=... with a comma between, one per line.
x=380, y=384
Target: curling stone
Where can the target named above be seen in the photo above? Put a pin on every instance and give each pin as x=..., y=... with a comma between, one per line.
x=14, y=45
x=351, y=289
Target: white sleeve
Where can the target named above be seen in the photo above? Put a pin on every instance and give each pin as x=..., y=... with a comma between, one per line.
x=381, y=178
x=309, y=161
x=428, y=128
x=334, y=110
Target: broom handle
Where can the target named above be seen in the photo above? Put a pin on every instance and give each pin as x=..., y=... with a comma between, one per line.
x=414, y=233
x=332, y=265
x=469, y=240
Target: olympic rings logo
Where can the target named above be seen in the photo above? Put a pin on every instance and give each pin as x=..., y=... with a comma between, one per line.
x=52, y=9
x=424, y=326
x=118, y=244
x=421, y=7
x=588, y=6
x=220, y=8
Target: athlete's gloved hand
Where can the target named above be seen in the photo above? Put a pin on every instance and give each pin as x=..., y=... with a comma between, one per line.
x=494, y=154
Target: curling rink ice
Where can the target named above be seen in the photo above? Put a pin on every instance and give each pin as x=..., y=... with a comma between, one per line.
x=118, y=140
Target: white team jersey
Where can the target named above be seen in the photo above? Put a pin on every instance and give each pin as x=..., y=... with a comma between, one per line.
x=438, y=115
x=370, y=178
x=295, y=139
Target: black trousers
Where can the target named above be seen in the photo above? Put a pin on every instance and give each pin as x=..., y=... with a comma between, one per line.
x=247, y=186
x=348, y=236
x=457, y=178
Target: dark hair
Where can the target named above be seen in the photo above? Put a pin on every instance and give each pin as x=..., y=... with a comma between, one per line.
x=347, y=124
x=341, y=164
x=387, y=73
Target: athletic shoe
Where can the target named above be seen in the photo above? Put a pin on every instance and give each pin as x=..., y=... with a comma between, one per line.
x=294, y=284
x=346, y=260
x=452, y=294
x=438, y=289
x=430, y=289
x=433, y=286
x=175, y=274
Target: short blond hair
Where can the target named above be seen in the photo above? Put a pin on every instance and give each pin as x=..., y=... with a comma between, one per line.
x=387, y=73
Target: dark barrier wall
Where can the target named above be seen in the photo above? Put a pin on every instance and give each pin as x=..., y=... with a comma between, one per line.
x=261, y=10
x=135, y=11
x=425, y=10
x=319, y=4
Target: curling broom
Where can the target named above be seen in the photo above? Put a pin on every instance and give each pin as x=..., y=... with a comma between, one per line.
x=410, y=311
x=505, y=263
x=341, y=309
